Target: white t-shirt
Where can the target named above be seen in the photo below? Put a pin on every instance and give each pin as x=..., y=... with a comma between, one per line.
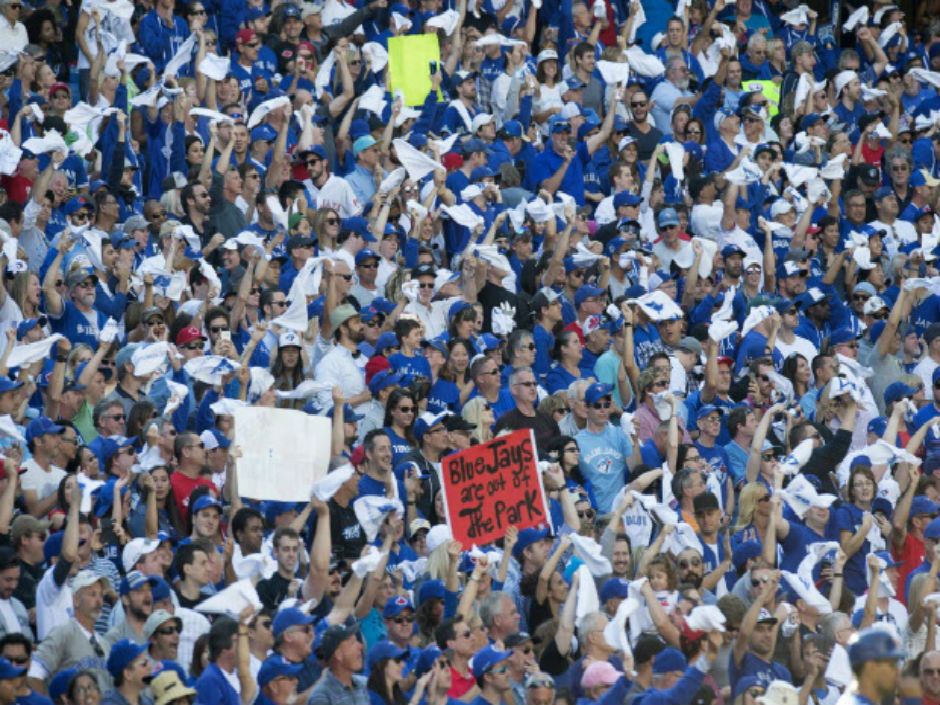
x=799, y=345
x=337, y=194
x=43, y=483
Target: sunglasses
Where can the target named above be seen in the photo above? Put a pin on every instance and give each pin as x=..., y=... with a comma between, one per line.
x=601, y=405
x=219, y=329
x=193, y=346
x=638, y=104
x=406, y=409
x=404, y=620
x=586, y=514
x=426, y=285
x=167, y=631
x=331, y=221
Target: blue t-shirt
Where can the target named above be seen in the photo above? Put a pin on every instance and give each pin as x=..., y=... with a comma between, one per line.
x=848, y=517
x=400, y=447
x=410, y=365
x=213, y=687
x=77, y=326
x=764, y=671
x=604, y=463
x=444, y=396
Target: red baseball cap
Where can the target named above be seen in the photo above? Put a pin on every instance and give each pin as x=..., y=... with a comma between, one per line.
x=188, y=335
x=245, y=35
x=308, y=46
x=60, y=87
x=725, y=360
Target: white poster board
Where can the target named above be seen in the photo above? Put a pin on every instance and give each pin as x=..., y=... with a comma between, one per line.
x=283, y=452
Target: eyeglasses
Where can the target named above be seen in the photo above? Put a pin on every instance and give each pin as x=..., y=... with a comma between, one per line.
x=694, y=562
x=173, y=629
x=404, y=620
x=601, y=405
x=899, y=167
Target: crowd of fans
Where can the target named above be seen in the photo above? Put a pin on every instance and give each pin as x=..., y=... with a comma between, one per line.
x=692, y=247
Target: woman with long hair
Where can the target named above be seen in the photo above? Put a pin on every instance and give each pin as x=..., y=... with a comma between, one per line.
x=566, y=368
x=564, y=450
x=753, y=513
x=454, y=383
x=852, y=520
x=326, y=227
x=550, y=87
x=386, y=662
x=796, y=369
x=288, y=368
x=138, y=418
x=84, y=689
x=551, y=591
x=26, y=291
x=168, y=516
x=479, y=412
x=401, y=410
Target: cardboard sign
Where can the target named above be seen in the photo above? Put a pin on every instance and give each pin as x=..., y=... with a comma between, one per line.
x=490, y=487
x=409, y=66
x=283, y=452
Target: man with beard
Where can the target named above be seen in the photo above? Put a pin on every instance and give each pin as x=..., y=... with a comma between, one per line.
x=670, y=93
x=350, y=430
x=284, y=582
x=197, y=204
x=137, y=599
x=733, y=257
x=753, y=650
x=340, y=366
x=431, y=435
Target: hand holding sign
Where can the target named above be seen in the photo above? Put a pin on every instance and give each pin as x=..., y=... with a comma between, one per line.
x=494, y=486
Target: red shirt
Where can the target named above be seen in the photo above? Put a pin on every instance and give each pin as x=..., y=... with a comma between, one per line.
x=460, y=685
x=911, y=556
x=183, y=486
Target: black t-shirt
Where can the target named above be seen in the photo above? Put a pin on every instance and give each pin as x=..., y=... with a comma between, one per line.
x=645, y=141
x=546, y=430
x=186, y=602
x=272, y=591
x=346, y=532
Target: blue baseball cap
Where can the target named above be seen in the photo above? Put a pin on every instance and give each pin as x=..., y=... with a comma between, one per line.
x=559, y=125
x=75, y=204
x=349, y=414
x=359, y=225
x=474, y=145
x=59, y=685
x=513, y=128
x=667, y=216
x=597, y=391
x=789, y=268
x=922, y=505
x=625, y=198
x=383, y=650
x=363, y=143
x=263, y=133
x=878, y=426
x=396, y=606
x=122, y=654
x=745, y=684
x=426, y=659
x=8, y=385
x=383, y=380
x=431, y=590
x=383, y=305
x=897, y=391
x=480, y=173
x=876, y=330
x=438, y=343
x=526, y=538
x=364, y=254
x=160, y=590
x=669, y=660
x=385, y=341
x=485, y=659
x=585, y=292
x=42, y=426
x=931, y=532
x=290, y=617
x=425, y=423
x=135, y=580
x=842, y=335
x=207, y=501
x=706, y=410
x=732, y=250
x=25, y=326
x=488, y=341
x=875, y=645
x=277, y=666
x=613, y=588
x=745, y=551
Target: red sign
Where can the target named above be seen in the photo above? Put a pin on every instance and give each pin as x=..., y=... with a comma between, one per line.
x=492, y=486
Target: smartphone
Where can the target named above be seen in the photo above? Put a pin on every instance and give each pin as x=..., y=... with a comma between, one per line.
x=433, y=66
x=226, y=335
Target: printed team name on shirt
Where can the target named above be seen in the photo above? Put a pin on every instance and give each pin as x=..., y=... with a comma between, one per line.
x=601, y=459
